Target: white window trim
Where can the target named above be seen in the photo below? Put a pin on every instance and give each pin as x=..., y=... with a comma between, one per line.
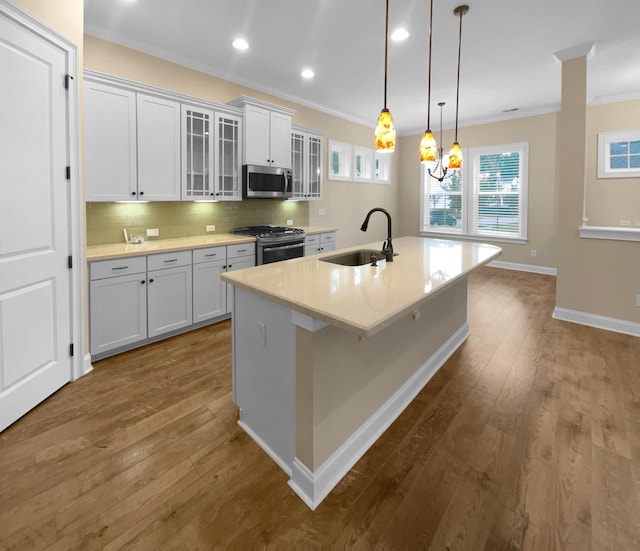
x=468, y=194
x=384, y=159
x=606, y=138
x=366, y=154
x=604, y=232
x=346, y=172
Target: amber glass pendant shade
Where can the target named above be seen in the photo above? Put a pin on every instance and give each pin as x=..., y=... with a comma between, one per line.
x=385, y=132
x=428, y=148
x=455, y=157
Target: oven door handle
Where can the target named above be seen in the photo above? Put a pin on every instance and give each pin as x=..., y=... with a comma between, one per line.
x=283, y=247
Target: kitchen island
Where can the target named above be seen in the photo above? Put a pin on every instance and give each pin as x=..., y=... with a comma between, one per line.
x=326, y=356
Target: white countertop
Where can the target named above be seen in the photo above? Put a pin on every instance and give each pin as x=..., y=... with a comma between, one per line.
x=365, y=299
x=118, y=250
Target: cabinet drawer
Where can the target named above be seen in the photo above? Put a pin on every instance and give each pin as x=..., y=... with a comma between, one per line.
x=101, y=269
x=312, y=239
x=168, y=260
x=328, y=237
x=241, y=249
x=209, y=254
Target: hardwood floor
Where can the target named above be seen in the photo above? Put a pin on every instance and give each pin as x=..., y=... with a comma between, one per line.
x=527, y=438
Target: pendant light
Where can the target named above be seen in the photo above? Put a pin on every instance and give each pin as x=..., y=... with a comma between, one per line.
x=428, y=148
x=385, y=132
x=455, y=153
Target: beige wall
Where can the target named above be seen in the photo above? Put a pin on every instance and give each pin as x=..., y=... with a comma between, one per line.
x=595, y=276
x=612, y=199
x=345, y=203
x=540, y=133
x=66, y=17
x=342, y=380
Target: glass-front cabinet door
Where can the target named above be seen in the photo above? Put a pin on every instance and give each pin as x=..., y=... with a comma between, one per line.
x=306, y=163
x=297, y=164
x=197, y=153
x=228, y=157
x=315, y=172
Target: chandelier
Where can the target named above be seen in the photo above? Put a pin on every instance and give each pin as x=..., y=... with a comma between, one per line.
x=385, y=132
x=437, y=165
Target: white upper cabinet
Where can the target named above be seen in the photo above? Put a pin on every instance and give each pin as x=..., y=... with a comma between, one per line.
x=306, y=163
x=210, y=155
x=197, y=153
x=148, y=144
x=228, y=167
x=132, y=145
x=110, y=144
x=158, y=149
x=267, y=133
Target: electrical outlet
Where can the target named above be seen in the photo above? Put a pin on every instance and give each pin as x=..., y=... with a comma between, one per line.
x=289, y=222
x=625, y=222
x=322, y=212
x=534, y=252
x=261, y=333
x=211, y=227
x=153, y=232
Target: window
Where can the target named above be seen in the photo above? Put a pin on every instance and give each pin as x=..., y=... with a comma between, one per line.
x=362, y=164
x=382, y=168
x=340, y=158
x=619, y=154
x=487, y=198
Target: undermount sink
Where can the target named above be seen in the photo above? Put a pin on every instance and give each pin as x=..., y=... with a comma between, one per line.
x=359, y=257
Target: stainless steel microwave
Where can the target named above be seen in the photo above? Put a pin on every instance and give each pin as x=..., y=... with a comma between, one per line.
x=265, y=182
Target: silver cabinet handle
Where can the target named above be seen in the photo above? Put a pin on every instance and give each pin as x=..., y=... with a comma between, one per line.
x=211, y=254
x=241, y=251
x=120, y=268
x=172, y=260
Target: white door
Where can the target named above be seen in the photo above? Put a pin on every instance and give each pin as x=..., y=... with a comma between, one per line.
x=35, y=317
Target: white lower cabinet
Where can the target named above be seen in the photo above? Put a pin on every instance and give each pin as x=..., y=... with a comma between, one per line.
x=238, y=257
x=209, y=291
x=319, y=243
x=169, y=292
x=135, y=299
x=118, y=303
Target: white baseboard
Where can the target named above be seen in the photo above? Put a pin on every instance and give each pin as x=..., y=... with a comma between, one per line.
x=286, y=468
x=545, y=270
x=313, y=487
x=600, y=322
x=87, y=367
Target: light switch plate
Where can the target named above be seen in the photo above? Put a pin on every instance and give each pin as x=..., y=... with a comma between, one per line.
x=153, y=232
x=289, y=222
x=211, y=227
x=261, y=333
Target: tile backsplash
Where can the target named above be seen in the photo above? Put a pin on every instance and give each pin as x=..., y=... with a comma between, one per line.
x=105, y=221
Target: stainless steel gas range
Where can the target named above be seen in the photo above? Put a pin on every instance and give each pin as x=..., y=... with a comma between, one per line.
x=275, y=243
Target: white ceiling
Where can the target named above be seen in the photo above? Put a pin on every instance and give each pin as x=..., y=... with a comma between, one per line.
x=507, y=51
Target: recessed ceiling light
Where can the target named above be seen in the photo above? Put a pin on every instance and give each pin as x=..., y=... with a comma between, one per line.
x=307, y=73
x=240, y=44
x=399, y=34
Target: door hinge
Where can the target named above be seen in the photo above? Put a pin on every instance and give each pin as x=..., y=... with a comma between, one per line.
x=67, y=78
x=70, y=262
x=68, y=173
x=71, y=349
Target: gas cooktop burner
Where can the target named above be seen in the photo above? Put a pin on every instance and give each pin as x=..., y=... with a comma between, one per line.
x=268, y=231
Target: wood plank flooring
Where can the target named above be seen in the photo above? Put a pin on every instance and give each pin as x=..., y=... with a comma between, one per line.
x=527, y=439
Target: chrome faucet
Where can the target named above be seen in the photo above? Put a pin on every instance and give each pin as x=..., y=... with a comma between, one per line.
x=387, y=248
